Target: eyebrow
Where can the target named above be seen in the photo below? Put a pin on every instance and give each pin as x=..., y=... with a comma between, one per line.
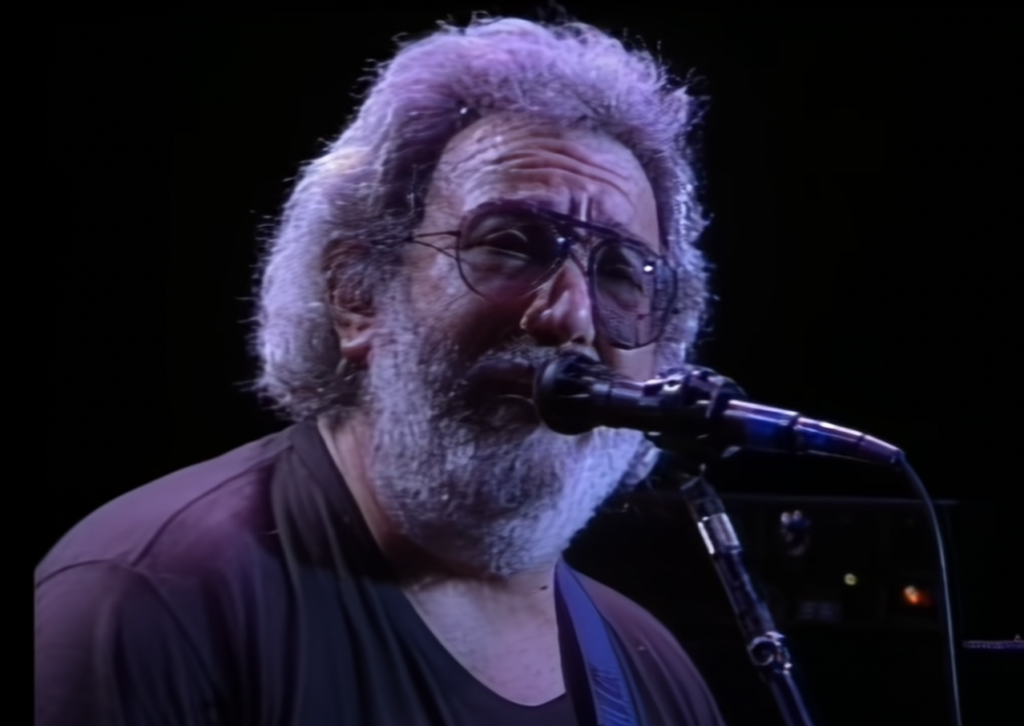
x=546, y=202
x=615, y=227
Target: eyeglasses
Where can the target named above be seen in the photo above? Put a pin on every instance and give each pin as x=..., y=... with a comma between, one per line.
x=508, y=250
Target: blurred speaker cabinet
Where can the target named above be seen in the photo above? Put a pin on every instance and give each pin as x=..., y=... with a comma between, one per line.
x=844, y=561
x=850, y=580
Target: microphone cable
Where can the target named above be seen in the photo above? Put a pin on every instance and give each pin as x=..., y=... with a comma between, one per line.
x=945, y=601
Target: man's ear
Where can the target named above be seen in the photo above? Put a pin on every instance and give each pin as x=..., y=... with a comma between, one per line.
x=355, y=335
x=351, y=304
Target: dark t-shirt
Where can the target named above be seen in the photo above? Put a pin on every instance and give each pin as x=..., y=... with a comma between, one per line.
x=247, y=590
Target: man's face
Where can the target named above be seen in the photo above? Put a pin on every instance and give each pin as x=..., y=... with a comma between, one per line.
x=469, y=472
x=578, y=173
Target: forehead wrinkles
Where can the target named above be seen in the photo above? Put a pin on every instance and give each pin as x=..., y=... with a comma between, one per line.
x=590, y=158
x=568, y=159
x=512, y=157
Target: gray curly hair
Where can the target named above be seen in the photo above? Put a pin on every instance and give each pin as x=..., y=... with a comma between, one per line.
x=341, y=233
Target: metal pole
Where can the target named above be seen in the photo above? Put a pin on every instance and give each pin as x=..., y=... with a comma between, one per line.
x=765, y=644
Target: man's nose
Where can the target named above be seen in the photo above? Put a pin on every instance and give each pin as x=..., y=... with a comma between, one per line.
x=560, y=311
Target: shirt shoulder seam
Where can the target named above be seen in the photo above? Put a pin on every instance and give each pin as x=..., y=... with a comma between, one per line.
x=262, y=461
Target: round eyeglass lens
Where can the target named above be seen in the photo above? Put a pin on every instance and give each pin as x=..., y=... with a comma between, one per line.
x=504, y=256
x=632, y=292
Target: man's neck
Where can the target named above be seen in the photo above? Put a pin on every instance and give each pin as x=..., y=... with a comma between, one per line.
x=350, y=446
x=503, y=630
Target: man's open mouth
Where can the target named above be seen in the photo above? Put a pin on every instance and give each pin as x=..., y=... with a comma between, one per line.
x=509, y=377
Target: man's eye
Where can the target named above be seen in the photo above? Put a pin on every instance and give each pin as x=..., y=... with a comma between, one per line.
x=508, y=241
x=619, y=272
x=620, y=275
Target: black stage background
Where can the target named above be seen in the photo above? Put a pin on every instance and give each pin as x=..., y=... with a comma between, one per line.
x=860, y=165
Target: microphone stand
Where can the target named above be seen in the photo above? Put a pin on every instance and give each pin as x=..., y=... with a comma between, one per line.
x=574, y=394
x=766, y=646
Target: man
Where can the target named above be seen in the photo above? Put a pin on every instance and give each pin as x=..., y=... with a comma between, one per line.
x=507, y=192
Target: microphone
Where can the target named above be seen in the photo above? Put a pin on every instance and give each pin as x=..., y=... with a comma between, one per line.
x=574, y=394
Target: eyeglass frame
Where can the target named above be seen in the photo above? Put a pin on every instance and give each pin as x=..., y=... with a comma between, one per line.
x=608, y=236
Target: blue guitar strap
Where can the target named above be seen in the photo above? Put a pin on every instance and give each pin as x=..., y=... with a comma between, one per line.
x=598, y=682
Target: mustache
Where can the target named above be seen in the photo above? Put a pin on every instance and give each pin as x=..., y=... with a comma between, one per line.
x=515, y=365
x=471, y=390
x=527, y=351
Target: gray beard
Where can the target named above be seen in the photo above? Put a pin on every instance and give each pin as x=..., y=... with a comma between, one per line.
x=486, y=489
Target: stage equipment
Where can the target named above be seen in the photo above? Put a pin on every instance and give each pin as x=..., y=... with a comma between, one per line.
x=696, y=416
